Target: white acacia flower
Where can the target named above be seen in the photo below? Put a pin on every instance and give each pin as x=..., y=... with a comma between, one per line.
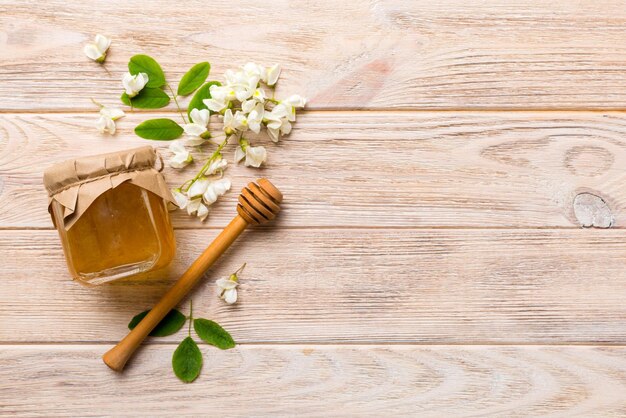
x=279, y=111
x=254, y=156
x=240, y=154
x=194, y=141
x=198, y=187
x=243, y=84
x=108, y=116
x=227, y=287
x=277, y=121
x=197, y=129
x=277, y=128
x=271, y=75
x=202, y=194
x=180, y=198
x=196, y=206
x=268, y=75
x=215, y=105
x=259, y=95
x=255, y=70
x=255, y=117
x=216, y=189
x=295, y=101
x=289, y=106
x=98, y=50
x=219, y=164
x=221, y=96
x=181, y=156
x=248, y=105
x=236, y=122
x=202, y=212
x=133, y=84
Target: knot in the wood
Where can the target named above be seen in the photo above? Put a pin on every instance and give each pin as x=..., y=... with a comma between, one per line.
x=592, y=211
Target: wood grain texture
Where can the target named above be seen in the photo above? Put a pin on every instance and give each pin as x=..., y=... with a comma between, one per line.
x=365, y=54
x=315, y=381
x=434, y=191
x=395, y=169
x=355, y=286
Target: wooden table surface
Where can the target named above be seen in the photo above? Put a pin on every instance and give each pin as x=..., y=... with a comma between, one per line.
x=430, y=259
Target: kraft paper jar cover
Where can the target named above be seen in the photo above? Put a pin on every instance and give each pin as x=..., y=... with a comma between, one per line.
x=76, y=183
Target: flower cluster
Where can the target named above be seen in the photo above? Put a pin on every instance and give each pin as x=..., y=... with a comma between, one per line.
x=204, y=190
x=243, y=104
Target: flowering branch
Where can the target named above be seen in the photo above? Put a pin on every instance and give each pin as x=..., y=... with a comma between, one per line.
x=243, y=105
x=241, y=102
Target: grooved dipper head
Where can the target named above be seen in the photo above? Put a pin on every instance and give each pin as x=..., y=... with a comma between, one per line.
x=259, y=202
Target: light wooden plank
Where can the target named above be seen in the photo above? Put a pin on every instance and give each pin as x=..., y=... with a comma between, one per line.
x=395, y=169
x=359, y=54
x=330, y=286
x=318, y=381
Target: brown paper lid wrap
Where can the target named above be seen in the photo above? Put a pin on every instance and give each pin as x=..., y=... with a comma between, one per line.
x=75, y=184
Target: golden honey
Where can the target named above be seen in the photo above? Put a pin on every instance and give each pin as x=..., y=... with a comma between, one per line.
x=123, y=229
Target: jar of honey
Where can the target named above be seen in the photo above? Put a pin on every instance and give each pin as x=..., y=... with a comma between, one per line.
x=111, y=214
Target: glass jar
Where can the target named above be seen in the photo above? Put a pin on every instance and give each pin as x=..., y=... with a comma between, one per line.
x=118, y=225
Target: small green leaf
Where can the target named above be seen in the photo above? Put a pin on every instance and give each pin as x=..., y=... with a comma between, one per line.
x=202, y=93
x=148, y=98
x=211, y=332
x=159, y=129
x=145, y=64
x=169, y=325
x=193, y=78
x=187, y=360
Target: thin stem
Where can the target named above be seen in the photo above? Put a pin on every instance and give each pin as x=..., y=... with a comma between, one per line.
x=206, y=165
x=105, y=68
x=190, y=316
x=240, y=269
x=182, y=187
x=243, y=143
x=176, y=101
x=100, y=105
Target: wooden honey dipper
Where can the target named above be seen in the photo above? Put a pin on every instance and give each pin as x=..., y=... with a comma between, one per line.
x=258, y=203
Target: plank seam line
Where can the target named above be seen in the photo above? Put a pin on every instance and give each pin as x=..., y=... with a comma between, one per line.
x=370, y=227
x=40, y=112
x=329, y=344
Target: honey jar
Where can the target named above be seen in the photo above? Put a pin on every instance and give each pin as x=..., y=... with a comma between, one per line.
x=111, y=212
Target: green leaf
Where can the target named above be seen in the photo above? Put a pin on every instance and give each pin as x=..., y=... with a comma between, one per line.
x=145, y=64
x=187, y=360
x=159, y=129
x=202, y=93
x=169, y=325
x=148, y=98
x=211, y=332
x=193, y=78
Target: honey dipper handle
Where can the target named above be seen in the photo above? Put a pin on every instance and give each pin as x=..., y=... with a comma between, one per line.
x=117, y=357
